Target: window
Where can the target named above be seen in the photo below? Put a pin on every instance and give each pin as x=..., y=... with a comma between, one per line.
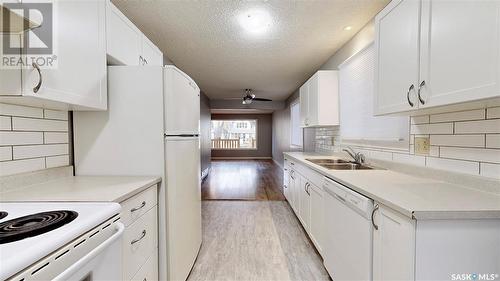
x=295, y=130
x=234, y=134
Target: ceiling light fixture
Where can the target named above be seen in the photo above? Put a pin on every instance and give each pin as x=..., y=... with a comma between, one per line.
x=347, y=28
x=255, y=21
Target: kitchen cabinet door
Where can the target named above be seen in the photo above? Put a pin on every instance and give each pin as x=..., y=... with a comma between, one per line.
x=123, y=38
x=393, y=245
x=312, y=100
x=304, y=104
x=294, y=185
x=397, y=60
x=10, y=78
x=460, y=51
x=286, y=183
x=304, y=203
x=78, y=76
x=151, y=55
x=317, y=217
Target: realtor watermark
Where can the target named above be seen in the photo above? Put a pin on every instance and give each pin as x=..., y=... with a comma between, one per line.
x=475, y=276
x=29, y=41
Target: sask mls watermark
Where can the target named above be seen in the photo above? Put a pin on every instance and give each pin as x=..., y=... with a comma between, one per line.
x=30, y=36
x=474, y=276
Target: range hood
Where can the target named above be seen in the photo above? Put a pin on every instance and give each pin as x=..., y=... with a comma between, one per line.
x=17, y=22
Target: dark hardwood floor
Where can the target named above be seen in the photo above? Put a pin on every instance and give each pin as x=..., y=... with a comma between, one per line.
x=258, y=180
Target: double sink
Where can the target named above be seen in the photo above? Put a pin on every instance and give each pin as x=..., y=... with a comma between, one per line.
x=339, y=164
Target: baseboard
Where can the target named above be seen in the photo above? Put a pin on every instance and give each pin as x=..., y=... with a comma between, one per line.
x=242, y=158
x=277, y=163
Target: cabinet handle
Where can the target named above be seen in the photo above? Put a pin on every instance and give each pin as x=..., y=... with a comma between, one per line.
x=340, y=198
x=138, y=208
x=373, y=214
x=420, y=88
x=37, y=87
x=138, y=239
x=141, y=60
x=408, y=95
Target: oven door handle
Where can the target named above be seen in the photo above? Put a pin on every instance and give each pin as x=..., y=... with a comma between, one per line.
x=79, y=264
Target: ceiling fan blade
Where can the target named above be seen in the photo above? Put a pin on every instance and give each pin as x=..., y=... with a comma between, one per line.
x=261, y=99
x=232, y=98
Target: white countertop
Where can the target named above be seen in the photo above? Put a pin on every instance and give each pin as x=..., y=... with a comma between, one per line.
x=82, y=188
x=415, y=197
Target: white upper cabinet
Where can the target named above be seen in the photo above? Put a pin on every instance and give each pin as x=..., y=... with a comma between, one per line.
x=126, y=44
x=124, y=40
x=460, y=51
x=303, y=99
x=73, y=76
x=151, y=55
x=396, y=44
x=319, y=100
x=434, y=53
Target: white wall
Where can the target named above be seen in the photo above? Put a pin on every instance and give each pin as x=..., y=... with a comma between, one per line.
x=32, y=139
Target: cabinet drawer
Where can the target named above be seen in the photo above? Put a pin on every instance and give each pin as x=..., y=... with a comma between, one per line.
x=139, y=240
x=134, y=207
x=149, y=271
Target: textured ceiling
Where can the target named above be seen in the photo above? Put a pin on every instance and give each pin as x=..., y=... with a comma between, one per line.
x=205, y=39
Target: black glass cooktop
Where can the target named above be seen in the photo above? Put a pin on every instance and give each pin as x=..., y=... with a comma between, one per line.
x=33, y=225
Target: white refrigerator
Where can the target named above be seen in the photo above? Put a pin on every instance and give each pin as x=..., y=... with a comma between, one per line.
x=151, y=128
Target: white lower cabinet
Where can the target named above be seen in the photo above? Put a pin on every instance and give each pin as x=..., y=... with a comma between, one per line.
x=306, y=199
x=393, y=245
x=304, y=203
x=317, y=223
x=149, y=271
x=286, y=183
x=434, y=249
x=403, y=248
x=140, y=239
x=293, y=186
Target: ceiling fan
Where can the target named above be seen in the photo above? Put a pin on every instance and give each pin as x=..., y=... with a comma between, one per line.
x=250, y=97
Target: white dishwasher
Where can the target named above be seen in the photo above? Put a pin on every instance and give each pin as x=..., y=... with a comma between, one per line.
x=347, y=247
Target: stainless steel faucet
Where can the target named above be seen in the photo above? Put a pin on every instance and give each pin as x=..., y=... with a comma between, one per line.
x=358, y=157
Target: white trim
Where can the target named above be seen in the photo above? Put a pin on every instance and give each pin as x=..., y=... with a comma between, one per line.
x=277, y=163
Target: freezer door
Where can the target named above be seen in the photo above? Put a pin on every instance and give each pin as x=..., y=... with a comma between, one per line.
x=182, y=103
x=183, y=204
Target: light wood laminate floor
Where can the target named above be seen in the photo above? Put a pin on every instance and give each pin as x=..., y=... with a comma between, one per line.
x=243, y=180
x=255, y=240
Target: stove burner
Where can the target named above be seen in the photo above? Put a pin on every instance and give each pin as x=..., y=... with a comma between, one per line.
x=33, y=225
x=3, y=214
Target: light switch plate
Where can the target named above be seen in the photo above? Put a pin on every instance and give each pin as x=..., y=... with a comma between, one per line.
x=422, y=145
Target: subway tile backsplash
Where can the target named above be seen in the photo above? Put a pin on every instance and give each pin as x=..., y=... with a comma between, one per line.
x=32, y=139
x=465, y=142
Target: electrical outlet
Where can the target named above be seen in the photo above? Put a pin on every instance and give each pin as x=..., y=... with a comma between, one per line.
x=422, y=145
